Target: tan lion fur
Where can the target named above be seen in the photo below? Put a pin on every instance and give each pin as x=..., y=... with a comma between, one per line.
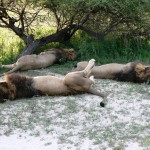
x=132, y=71
x=43, y=60
x=18, y=86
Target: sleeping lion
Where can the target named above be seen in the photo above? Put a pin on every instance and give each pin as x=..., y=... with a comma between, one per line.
x=132, y=72
x=17, y=86
x=43, y=60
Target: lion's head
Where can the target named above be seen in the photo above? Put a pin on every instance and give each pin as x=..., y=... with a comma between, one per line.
x=7, y=91
x=142, y=73
x=70, y=54
x=62, y=54
x=4, y=91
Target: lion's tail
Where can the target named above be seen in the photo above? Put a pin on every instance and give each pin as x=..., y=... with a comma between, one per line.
x=104, y=102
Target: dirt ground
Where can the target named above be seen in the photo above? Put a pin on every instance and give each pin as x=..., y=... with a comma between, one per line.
x=78, y=122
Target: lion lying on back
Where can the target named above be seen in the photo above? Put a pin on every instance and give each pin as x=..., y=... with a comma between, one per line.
x=43, y=60
x=17, y=86
x=132, y=72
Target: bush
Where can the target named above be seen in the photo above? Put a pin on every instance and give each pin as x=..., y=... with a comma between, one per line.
x=119, y=50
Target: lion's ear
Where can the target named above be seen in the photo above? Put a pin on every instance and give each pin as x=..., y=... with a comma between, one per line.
x=139, y=68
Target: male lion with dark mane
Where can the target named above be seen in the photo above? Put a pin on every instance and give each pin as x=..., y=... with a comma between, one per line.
x=131, y=72
x=43, y=60
x=17, y=86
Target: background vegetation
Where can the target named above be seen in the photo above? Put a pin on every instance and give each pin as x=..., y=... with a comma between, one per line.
x=107, y=30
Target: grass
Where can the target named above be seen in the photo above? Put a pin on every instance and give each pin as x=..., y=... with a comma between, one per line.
x=76, y=121
x=111, y=50
x=10, y=46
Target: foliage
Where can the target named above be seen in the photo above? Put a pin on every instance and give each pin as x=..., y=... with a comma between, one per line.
x=120, y=28
x=10, y=46
x=99, y=18
x=103, y=17
x=121, y=50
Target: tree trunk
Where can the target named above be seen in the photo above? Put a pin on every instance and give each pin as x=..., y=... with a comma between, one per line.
x=99, y=36
x=59, y=36
x=30, y=48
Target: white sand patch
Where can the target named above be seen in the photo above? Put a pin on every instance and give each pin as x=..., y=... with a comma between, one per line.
x=13, y=142
x=133, y=146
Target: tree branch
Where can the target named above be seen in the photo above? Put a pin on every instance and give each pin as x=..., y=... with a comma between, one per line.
x=99, y=36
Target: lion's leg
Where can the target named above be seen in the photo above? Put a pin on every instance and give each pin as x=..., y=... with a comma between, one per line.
x=10, y=66
x=17, y=67
x=87, y=70
x=13, y=68
x=92, y=79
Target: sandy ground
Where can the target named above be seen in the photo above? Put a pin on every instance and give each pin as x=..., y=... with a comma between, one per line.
x=78, y=122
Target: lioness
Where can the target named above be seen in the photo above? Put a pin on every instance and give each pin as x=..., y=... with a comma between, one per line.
x=132, y=72
x=43, y=60
x=17, y=86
